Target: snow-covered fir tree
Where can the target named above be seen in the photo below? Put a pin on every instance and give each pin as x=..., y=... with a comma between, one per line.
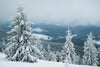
x=50, y=56
x=99, y=55
x=20, y=46
x=68, y=52
x=45, y=54
x=39, y=45
x=90, y=51
x=3, y=45
x=54, y=56
x=58, y=56
x=78, y=60
x=48, y=52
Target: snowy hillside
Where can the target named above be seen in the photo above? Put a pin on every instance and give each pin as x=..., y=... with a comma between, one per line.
x=41, y=36
x=38, y=30
x=40, y=63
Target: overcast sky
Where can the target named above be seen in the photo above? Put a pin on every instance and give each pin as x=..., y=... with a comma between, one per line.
x=74, y=12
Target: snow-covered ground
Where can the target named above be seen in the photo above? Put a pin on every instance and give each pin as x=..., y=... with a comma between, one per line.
x=40, y=63
x=98, y=42
x=39, y=30
x=41, y=36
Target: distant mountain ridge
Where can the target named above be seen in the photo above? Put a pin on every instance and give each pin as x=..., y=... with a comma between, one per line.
x=60, y=31
x=57, y=32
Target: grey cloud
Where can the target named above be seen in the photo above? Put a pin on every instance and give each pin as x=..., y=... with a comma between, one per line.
x=74, y=12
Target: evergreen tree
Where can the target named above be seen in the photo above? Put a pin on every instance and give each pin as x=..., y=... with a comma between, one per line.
x=58, y=56
x=50, y=56
x=54, y=56
x=78, y=60
x=3, y=45
x=20, y=40
x=90, y=51
x=40, y=47
x=48, y=52
x=99, y=55
x=68, y=51
x=45, y=54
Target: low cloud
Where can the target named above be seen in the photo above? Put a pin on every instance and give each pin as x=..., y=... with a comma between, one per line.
x=65, y=12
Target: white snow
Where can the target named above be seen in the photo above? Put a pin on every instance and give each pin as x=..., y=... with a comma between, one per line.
x=2, y=56
x=40, y=63
x=41, y=36
x=98, y=42
x=39, y=30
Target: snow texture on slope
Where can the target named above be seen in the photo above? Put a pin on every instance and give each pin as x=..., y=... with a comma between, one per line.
x=40, y=63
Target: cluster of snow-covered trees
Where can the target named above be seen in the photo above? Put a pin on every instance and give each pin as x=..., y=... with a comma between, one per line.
x=22, y=46
x=90, y=51
x=69, y=55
